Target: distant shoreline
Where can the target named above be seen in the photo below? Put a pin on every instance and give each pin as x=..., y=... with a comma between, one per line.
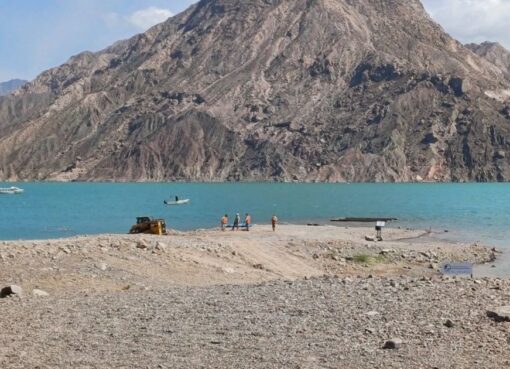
x=267, y=181
x=54, y=210
x=411, y=237
x=421, y=251
x=304, y=223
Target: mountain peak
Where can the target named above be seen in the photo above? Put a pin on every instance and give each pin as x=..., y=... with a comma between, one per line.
x=10, y=86
x=309, y=90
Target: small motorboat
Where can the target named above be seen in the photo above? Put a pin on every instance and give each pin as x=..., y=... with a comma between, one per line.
x=11, y=191
x=177, y=202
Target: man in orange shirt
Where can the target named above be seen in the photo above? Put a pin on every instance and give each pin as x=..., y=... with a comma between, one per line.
x=224, y=222
x=247, y=221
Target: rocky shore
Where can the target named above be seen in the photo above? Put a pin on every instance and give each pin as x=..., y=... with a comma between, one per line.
x=302, y=297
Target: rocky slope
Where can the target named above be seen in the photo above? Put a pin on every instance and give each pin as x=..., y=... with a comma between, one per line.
x=494, y=53
x=212, y=257
x=316, y=323
x=9, y=86
x=301, y=297
x=310, y=90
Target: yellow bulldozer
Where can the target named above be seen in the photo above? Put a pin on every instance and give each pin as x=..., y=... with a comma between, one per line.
x=149, y=226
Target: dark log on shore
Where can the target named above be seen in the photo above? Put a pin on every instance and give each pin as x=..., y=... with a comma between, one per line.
x=363, y=220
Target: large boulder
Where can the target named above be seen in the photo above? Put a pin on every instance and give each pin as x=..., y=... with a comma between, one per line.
x=393, y=344
x=40, y=293
x=500, y=314
x=161, y=246
x=11, y=290
x=142, y=244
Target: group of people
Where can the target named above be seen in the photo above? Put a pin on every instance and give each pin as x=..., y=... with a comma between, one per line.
x=247, y=222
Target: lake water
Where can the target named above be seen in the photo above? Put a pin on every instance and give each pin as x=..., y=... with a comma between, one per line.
x=471, y=212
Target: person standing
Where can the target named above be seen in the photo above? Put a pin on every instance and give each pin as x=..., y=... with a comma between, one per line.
x=378, y=230
x=224, y=222
x=247, y=221
x=237, y=219
x=274, y=220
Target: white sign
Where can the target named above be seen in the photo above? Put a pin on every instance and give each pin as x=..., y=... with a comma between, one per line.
x=457, y=268
x=380, y=224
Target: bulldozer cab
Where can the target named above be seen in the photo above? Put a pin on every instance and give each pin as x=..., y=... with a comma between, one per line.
x=141, y=220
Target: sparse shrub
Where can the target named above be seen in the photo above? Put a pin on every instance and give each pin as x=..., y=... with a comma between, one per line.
x=368, y=259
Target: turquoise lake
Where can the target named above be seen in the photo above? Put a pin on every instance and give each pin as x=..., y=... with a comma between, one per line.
x=470, y=212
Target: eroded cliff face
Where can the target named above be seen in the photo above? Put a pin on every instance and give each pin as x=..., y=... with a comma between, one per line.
x=494, y=53
x=308, y=90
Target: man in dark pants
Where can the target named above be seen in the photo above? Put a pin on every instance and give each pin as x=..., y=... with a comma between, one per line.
x=237, y=219
x=378, y=230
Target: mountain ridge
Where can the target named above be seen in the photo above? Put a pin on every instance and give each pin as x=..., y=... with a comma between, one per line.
x=307, y=90
x=495, y=53
x=8, y=87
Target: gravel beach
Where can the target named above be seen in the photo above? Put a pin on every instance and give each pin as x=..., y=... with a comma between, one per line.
x=302, y=297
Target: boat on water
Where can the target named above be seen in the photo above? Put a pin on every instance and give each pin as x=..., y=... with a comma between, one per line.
x=177, y=202
x=11, y=191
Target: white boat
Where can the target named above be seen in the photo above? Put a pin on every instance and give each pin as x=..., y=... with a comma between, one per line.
x=177, y=202
x=11, y=191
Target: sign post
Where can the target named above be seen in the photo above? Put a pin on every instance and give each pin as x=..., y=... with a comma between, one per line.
x=379, y=225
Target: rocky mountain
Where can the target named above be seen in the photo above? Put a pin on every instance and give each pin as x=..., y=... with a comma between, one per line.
x=494, y=53
x=306, y=90
x=10, y=86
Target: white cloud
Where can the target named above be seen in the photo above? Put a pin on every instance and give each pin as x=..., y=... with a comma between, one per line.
x=473, y=20
x=146, y=18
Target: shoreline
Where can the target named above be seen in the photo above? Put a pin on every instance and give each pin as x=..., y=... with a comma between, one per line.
x=210, y=256
x=190, y=181
x=419, y=208
x=257, y=299
x=326, y=222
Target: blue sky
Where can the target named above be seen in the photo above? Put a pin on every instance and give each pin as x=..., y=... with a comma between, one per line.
x=38, y=34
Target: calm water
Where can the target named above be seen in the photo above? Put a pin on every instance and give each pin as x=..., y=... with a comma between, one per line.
x=47, y=210
x=470, y=212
